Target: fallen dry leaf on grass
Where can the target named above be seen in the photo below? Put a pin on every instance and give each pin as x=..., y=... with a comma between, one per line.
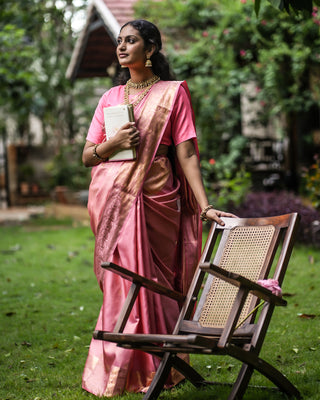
x=307, y=316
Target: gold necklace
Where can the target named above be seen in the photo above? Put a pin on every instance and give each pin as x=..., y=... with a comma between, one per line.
x=143, y=84
x=141, y=96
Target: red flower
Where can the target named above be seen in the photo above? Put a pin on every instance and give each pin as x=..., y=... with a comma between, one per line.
x=243, y=53
x=205, y=34
x=212, y=161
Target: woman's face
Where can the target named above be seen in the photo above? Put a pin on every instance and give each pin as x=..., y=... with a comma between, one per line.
x=131, y=50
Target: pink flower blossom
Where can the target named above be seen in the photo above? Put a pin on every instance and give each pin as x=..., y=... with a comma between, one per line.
x=263, y=22
x=212, y=161
x=226, y=32
x=205, y=34
x=243, y=53
x=271, y=284
x=243, y=1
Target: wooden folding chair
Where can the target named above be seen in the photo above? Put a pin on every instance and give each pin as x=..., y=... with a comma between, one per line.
x=213, y=320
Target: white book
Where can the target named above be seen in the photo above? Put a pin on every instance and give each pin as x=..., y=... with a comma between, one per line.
x=114, y=118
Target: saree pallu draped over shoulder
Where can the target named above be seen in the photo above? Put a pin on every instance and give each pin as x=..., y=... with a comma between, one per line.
x=145, y=219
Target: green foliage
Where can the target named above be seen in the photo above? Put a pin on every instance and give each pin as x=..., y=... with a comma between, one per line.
x=36, y=41
x=225, y=45
x=17, y=79
x=289, y=5
x=226, y=180
x=66, y=168
x=179, y=15
x=288, y=48
x=311, y=183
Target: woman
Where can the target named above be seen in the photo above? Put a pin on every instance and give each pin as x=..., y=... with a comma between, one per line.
x=143, y=214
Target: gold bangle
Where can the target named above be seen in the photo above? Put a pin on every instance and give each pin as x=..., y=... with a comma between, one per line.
x=96, y=155
x=203, y=214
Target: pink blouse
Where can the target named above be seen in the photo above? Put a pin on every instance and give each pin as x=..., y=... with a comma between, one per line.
x=180, y=127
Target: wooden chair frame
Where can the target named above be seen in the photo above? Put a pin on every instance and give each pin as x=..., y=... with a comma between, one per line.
x=242, y=342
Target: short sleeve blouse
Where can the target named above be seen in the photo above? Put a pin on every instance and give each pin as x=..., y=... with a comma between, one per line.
x=180, y=126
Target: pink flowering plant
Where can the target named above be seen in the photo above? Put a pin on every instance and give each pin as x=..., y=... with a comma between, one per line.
x=270, y=284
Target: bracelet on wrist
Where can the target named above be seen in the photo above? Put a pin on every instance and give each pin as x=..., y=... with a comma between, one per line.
x=96, y=155
x=203, y=214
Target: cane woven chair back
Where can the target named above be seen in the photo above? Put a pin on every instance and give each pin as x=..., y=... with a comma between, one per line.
x=244, y=250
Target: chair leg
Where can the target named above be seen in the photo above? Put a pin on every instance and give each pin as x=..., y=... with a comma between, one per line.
x=172, y=361
x=189, y=373
x=160, y=378
x=241, y=383
x=252, y=362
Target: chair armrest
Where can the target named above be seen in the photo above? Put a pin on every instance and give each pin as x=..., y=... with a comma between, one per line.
x=142, y=281
x=239, y=280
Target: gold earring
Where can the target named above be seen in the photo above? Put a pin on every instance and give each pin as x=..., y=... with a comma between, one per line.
x=148, y=62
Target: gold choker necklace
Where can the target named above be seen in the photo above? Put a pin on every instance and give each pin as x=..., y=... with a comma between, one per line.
x=143, y=94
x=143, y=84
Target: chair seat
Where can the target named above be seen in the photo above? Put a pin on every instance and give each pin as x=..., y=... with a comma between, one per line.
x=188, y=343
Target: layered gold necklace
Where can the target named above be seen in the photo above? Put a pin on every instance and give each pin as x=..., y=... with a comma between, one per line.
x=146, y=85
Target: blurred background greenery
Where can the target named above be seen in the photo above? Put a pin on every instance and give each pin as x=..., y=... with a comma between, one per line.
x=253, y=69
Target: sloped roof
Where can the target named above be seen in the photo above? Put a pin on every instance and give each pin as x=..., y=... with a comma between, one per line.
x=94, y=51
x=122, y=10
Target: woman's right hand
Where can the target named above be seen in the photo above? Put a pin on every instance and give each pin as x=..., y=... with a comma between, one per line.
x=127, y=137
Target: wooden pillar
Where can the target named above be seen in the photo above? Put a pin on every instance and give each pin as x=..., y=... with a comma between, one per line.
x=12, y=175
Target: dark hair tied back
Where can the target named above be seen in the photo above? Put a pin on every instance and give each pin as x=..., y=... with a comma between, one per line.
x=151, y=36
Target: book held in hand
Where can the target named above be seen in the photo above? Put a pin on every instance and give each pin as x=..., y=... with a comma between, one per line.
x=114, y=118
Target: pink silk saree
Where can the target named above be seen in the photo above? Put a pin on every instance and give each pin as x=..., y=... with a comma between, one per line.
x=146, y=220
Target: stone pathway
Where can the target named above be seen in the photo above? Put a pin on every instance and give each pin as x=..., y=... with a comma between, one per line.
x=16, y=215
x=19, y=214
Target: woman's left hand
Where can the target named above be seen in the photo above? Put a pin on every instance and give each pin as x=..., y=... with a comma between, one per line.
x=215, y=215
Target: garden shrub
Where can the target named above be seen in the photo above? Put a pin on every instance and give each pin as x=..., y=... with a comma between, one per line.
x=226, y=179
x=311, y=182
x=258, y=204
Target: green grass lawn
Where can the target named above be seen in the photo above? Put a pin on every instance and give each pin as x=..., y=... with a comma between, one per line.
x=50, y=301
